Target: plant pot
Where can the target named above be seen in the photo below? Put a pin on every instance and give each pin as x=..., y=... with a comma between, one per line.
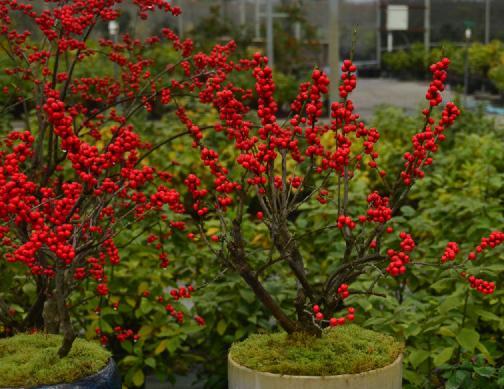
x=388, y=377
x=107, y=378
x=32, y=361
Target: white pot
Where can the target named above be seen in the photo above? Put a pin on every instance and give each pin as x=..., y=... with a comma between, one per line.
x=388, y=377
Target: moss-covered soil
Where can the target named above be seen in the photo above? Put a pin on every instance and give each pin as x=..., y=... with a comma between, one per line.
x=347, y=349
x=32, y=360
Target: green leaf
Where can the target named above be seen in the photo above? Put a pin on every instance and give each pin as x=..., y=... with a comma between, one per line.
x=500, y=380
x=481, y=347
x=412, y=330
x=221, y=327
x=468, y=339
x=406, y=210
x=247, y=295
x=130, y=360
x=127, y=346
x=145, y=331
x=172, y=344
x=414, y=378
x=485, y=371
x=151, y=362
x=451, y=302
x=416, y=357
x=138, y=378
x=496, y=268
x=457, y=379
x=160, y=347
x=487, y=315
x=442, y=285
x=105, y=326
x=444, y=356
x=445, y=331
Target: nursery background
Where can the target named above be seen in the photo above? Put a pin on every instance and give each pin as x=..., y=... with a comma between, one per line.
x=454, y=338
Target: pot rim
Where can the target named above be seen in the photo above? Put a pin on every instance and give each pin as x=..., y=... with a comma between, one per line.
x=236, y=365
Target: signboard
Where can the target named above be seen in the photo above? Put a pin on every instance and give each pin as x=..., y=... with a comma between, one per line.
x=397, y=17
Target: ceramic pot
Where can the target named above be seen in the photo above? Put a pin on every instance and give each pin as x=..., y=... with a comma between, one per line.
x=388, y=377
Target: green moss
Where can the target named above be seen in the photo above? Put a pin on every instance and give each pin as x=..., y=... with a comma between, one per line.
x=32, y=360
x=346, y=349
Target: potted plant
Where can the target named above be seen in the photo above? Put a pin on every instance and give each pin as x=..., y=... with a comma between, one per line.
x=76, y=175
x=261, y=170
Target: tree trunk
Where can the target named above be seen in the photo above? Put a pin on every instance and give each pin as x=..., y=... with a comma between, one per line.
x=35, y=317
x=237, y=251
x=64, y=315
x=50, y=315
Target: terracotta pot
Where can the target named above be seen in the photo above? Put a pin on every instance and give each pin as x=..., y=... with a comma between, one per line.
x=388, y=377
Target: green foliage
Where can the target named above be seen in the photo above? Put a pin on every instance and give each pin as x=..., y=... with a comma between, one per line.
x=346, y=349
x=163, y=346
x=401, y=61
x=486, y=61
x=496, y=74
x=441, y=320
x=475, y=373
x=32, y=360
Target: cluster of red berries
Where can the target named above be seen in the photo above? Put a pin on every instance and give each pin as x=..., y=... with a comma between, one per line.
x=123, y=334
x=343, y=291
x=450, y=252
x=481, y=285
x=319, y=87
x=398, y=262
x=495, y=239
x=379, y=210
x=346, y=221
x=426, y=142
x=407, y=243
x=333, y=321
x=348, y=78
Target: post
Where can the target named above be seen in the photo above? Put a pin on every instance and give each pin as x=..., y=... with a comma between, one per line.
x=297, y=31
x=257, y=19
x=390, y=41
x=242, y=13
x=113, y=28
x=427, y=29
x=334, y=47
x=378, y=33
x=487, y=21
x=180, y=21
x=269, y=32
x=223, y=9
x=468, y=34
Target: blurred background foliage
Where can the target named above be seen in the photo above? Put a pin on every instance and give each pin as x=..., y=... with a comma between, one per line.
x=486, y=63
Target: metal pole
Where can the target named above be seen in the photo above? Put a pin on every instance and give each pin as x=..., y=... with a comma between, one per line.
x=222, y=9
x=390, y=41
x=334, y=47
x=487, y=21
x=427, y=28
x=257, y=19
x=468, y=34
x=297, y=31
x=242, y=12
x=269, y=32
x=180, y=21
x=378, y=33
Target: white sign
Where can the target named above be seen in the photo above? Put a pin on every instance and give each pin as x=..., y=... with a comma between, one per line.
x=397, y=17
